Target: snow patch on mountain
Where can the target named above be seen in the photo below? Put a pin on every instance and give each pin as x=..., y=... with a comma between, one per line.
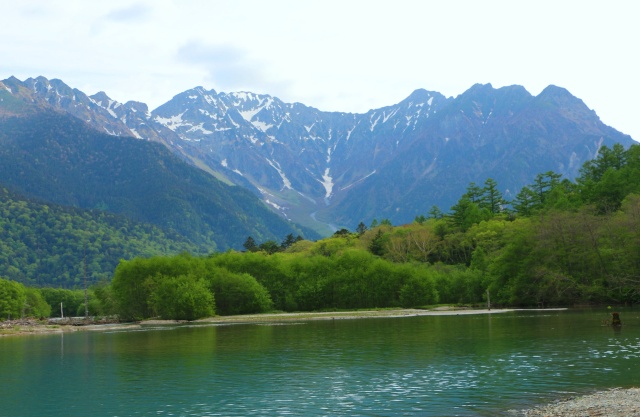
x=248, y=114
x=110, y=132
x=201, y=128
x=285, y=181
x=261, y=125
x=172, y=122
x=136, y=134
x=346, y=187
x=272, y=204
x=390, y=115
x=327, y=183
x=349, y=132
x=374, y=123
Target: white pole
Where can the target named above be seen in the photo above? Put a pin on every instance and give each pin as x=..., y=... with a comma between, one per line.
x=61, y=312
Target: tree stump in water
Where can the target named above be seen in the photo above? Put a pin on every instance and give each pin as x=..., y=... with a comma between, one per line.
x=615, y=320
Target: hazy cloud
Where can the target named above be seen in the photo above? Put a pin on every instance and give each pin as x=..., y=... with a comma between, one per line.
x=135, y=12
x=228, y=67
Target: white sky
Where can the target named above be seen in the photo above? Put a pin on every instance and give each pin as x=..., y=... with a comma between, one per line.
x=335, y=55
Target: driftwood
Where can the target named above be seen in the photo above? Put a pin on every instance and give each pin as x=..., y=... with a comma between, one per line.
x=83, y=321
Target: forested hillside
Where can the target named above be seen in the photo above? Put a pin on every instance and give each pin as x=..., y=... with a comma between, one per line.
x=58, y=158
x=46, y=244
x=559, y=243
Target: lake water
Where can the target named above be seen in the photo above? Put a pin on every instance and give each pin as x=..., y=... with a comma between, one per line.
x=466, y=365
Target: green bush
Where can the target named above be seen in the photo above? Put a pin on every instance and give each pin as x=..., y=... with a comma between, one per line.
x=185, y=297
x=238, y=293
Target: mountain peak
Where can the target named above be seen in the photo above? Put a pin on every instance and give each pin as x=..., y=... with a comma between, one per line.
x=420, y=94
x=561, y=98
x=100, y=96
x=555, y=91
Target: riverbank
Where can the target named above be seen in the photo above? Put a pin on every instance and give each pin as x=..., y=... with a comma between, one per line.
x=32, y=326
x=615, y=402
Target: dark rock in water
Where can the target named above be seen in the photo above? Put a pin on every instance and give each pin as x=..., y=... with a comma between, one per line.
x=615, y=320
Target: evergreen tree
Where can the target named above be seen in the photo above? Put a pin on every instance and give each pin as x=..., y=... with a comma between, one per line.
x=288, y=241
x=270, y=246
x=361, y=228
x=491, y=198
x=420, y=219
x=525, y=202
x=543, y=184
x=435, y=213
x=475, y=193
x=250, y=245
x=377, y=244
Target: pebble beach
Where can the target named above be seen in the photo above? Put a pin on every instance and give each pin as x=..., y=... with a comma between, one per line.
x=615, y=402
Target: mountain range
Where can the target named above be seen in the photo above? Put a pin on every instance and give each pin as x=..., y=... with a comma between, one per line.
x=54, y=157
x=327, y=170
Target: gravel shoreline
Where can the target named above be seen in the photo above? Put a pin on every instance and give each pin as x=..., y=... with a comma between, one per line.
x=32, y=326
x=616, y=402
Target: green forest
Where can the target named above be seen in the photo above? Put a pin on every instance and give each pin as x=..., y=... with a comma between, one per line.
x=557, y=243
x=43, y=244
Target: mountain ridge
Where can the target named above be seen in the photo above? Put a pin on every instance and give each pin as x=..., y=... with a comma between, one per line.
x=333, y=169
x=55, y=157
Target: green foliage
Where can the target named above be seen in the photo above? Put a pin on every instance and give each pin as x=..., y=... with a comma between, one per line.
x=45, y=244
x=418, y=290
x=435, y=213
x=35, y=304
x=377, y=246
x=132, y=283
x=12, y=299
x=238, y=293
x=183, y=287
x=491, y=198
x=72, y=301
x=250, y=244
x=466, y=213
x=182, y=297
x=270, y=246
x=560, y=248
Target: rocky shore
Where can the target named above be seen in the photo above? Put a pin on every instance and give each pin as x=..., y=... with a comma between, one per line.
x=615, y=402
x=33, y=326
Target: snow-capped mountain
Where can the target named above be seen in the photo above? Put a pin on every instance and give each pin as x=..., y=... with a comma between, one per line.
x=331, y=169
x=293, y=154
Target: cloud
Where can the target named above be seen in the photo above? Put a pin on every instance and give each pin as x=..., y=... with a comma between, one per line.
x=135, y=12
x=228, y=67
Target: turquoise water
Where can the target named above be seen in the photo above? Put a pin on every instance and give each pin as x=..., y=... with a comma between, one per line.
x=480, y=365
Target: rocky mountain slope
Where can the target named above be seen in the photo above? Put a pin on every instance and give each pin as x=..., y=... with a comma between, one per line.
x=328, y=169
x=54, y=157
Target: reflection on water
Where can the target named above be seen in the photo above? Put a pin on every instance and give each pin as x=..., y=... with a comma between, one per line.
x=420, y=366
